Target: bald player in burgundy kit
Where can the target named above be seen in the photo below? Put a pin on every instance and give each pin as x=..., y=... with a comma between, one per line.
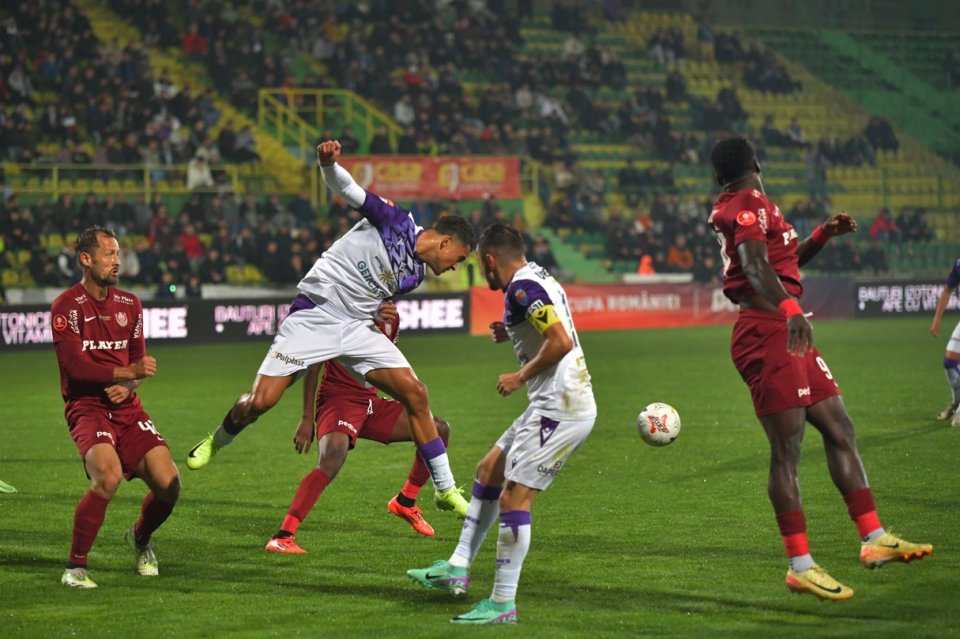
x=790, y=383
x=98, y=335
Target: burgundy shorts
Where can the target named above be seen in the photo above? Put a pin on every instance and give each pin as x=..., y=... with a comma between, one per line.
x=133, y=435
x=372, y=419
x=778, y=380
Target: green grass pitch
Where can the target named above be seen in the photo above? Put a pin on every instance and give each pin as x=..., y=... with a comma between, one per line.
x=629, y=541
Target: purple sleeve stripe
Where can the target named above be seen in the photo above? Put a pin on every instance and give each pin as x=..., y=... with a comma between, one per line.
x=432, y=449
x=488, y=493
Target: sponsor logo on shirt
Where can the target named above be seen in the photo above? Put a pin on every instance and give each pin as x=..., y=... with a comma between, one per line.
x=123, y=299
x=746, y=217
x=80, y=299
x=367, y=276
x=803, y=392
x=104, y=345
x=102, y=433
x=74, y=320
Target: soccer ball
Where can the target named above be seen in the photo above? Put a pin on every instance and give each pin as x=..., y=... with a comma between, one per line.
x=658, y=424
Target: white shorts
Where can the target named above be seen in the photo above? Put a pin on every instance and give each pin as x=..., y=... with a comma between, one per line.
x=954, y=344
x=537, y=447
x=312, y=335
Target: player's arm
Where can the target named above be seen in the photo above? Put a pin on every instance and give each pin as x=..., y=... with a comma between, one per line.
x=941, y=307
x=763, y=278
x=556, y=344
x=337, y=178
x=305, y=432
x=839, y=224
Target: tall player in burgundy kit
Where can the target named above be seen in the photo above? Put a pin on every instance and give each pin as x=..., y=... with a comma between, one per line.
x=772, y=348
x=98, y=335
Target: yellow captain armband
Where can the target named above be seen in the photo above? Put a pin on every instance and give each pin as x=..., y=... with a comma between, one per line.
x=543, y=318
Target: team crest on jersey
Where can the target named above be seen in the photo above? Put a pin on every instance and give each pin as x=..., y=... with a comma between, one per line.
x=746, y=217
x=122, y=318
x=521, y=296
x=59, y=322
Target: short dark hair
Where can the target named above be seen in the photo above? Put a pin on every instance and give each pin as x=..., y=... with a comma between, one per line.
x=89, y=239
x=457, y=227
x=732, y=158
x=501, y=240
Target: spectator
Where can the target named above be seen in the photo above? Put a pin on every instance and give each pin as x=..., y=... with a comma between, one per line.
x=199, y=175
x=245, y=148
x=380, y=142
x=883, y=227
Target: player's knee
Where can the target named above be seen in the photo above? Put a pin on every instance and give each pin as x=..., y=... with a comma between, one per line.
x=415, y=397
x=170, y=492
x=443, y=428
x=105, y=482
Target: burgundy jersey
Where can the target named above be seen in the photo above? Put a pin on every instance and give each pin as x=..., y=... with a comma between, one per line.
x=337, y=381
x=749, y=215
x=92, y=338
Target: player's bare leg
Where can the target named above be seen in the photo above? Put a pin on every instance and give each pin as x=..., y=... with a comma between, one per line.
x=264, y=395
x=104, y=469
x=160, y=474
x=785, y=433
x=404, y=503
x=846, y=469
x=951, y=366
x=403, y=385
x=332, y=452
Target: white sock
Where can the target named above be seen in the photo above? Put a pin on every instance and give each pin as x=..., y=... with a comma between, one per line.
x=481, y=513
x=440, y=472
x=513, y=543
x=953, y=378
x=801, y=563
x=222, y=438
x=873, y=534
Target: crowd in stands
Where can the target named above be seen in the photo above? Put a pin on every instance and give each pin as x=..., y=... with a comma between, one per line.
x=951, y=67
x=412, y=60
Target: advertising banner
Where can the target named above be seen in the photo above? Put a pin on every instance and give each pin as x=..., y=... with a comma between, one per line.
x=209, y=321
x=889, y=299
x=404, y=178
x=622, y=306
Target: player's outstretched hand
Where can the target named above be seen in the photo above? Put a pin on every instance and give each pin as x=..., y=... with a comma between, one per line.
x=498, y=332
x=304, y=435
x=840, y=224
x=799, y=335
x=328, y=152
x=144, y=367
x=935, y=327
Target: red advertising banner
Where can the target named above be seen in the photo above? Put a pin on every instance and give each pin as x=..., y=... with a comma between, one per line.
x=622, y=306
x=403, y=177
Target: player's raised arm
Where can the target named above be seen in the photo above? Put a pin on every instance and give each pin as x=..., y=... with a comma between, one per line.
x=338, y=178
x=839, y=224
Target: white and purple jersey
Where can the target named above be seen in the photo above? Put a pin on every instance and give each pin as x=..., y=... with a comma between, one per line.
x=562, y=392
x=373, y=261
